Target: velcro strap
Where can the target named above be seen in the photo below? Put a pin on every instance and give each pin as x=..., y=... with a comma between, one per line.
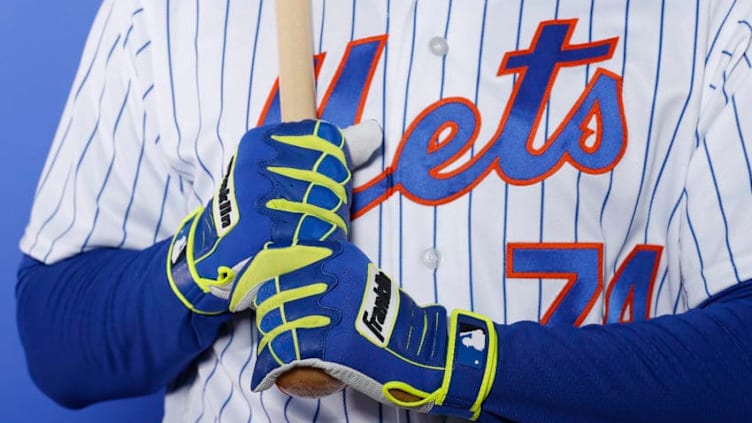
x=471, y=364
x=183, y=283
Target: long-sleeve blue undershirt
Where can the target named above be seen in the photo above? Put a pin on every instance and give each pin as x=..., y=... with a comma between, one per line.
x=105, y=324
x=689, y=368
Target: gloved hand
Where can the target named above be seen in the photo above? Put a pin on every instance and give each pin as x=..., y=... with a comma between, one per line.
x=345, y=316
x=285, y=184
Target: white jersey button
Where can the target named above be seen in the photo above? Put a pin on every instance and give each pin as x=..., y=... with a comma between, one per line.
x=431, y=258
x=439, y=46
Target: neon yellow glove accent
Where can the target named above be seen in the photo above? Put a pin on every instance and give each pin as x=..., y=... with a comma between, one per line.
x=271, y=263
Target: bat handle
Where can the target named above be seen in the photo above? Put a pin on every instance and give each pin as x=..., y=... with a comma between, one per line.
x=297, y=85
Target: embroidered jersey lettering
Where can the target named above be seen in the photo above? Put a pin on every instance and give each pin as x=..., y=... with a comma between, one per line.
x=560, y=161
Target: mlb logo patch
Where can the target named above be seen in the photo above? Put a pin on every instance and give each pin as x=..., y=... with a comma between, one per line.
x=473, y=341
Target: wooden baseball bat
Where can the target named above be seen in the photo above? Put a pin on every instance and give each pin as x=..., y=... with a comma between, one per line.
x=297, y=95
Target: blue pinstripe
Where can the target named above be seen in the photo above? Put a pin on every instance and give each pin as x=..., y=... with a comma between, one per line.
x=49, y=218
x=147, y=92
x=542, y=207
x=253, y=65
x=130, y=29
x=316, y=413
x=127, y=35
x=717, y=34
x=43, y=180
x=679, y=121
x=241, y=374
x=162, y=208
x=211, y=375
x=222, y=85
x=404, y=126
x=749, y=27
x=344, y=405
x=382, y=155
x=434, y=273
x=472, y=153
x=109, y=167
x=725, y=78
x=649, y=135
x=721, y=209
x=506, y=190
x=673, y=214
x=697, y=247
x=198, y=96
x=114, y=46
x=143, y=47
x=682, y=294
x=135, y=181
x=682, y=289
x=540, y=237
x=624, y=42
x=221, y=356
x=321, y=27
x=172, y=85
x=263, y=407
x=504, y=256
x=579, y=173
x=664, y=278
x=352, y=19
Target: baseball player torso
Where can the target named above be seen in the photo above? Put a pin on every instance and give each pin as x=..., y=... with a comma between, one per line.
x=553, y=161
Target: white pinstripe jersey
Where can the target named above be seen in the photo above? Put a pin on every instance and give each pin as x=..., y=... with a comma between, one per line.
x=563, y=161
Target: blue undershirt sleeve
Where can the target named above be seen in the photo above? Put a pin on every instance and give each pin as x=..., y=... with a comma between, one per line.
x=692, y=367
x=105, y=324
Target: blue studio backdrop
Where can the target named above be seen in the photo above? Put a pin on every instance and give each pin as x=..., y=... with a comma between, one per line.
x=40, y=46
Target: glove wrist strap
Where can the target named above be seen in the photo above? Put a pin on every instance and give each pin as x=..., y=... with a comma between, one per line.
x=180, y=262
x=471, y=365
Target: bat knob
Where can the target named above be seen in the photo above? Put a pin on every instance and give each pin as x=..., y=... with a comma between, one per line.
x=308, y=382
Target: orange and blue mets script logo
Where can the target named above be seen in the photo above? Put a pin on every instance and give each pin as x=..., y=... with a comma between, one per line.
x=591, y=137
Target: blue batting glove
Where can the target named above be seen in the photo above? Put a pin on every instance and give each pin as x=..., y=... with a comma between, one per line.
x=347, y=317
x=285, y=184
